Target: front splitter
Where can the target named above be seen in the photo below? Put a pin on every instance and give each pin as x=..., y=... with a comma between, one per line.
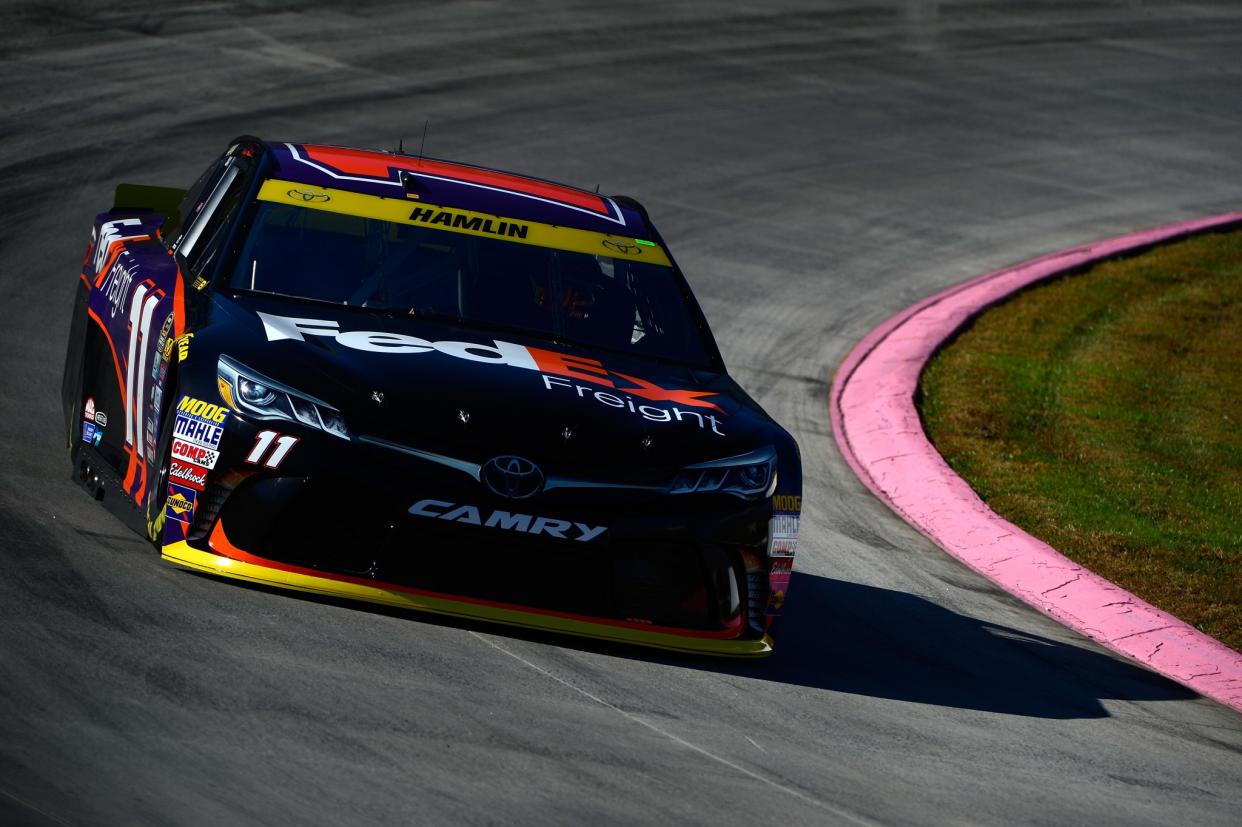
x=270, y=573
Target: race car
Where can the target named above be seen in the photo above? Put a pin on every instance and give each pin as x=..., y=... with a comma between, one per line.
x=431, y=385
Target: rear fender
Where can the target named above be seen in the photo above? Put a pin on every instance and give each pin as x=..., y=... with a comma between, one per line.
x=135, y=304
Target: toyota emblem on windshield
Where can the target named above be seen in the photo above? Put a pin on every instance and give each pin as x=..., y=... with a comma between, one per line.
x=623, y=247
x=513, y=478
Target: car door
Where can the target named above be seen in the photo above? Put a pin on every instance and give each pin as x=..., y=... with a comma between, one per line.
x=138, y=281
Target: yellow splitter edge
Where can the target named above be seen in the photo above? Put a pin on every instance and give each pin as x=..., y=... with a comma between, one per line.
x=183, y=554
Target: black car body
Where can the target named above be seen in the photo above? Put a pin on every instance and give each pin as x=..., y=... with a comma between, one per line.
x=429, y=385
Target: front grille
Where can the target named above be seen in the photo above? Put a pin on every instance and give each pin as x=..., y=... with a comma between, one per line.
x=660, y=583
x=672, y=581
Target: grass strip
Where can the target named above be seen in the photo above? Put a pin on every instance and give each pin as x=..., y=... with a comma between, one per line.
x=1101, y=413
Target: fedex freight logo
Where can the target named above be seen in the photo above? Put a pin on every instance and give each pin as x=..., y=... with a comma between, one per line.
x=579, y=375
x=114, y=232
x=116, y=284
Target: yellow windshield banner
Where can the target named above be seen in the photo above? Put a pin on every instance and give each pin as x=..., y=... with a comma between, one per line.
x=453, y=220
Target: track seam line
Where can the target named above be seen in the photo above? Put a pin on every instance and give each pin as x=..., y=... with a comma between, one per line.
x=33, y=808
x=677, y=738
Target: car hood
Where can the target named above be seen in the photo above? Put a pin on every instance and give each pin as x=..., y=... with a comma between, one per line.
x=477, y=393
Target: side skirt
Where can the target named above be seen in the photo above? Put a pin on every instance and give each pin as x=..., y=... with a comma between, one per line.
x=97, y=478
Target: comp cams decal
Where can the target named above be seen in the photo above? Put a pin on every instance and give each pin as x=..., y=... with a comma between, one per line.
x=194, y=454
x=507, y=521
x=562, y=372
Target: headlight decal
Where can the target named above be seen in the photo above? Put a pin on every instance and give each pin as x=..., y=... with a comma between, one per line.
x=749, y=476
x=252, y=393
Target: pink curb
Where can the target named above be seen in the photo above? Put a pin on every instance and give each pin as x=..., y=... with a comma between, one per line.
x=877, y=426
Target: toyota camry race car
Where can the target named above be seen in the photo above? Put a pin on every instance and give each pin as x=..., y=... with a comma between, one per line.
x=430, y=385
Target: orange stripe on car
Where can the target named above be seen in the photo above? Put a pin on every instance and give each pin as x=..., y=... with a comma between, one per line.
x=221, y=544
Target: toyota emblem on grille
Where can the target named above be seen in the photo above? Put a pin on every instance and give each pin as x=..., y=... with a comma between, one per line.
x=514, y=478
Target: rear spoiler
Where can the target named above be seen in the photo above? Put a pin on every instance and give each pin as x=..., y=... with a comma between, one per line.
x=165, y=201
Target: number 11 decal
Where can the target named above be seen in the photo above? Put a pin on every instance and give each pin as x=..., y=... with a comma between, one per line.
x=263, y=441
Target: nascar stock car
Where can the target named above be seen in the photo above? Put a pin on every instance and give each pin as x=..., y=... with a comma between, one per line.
x=426, y=384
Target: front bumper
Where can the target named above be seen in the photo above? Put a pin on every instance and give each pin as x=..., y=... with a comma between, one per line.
x=227, y=560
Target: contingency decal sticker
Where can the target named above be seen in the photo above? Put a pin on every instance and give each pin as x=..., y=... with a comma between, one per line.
x=200, y=423
x=188, y=474
x=181, y=501
x=782, y=545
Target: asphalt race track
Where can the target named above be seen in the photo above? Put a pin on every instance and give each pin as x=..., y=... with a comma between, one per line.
x=815, y=170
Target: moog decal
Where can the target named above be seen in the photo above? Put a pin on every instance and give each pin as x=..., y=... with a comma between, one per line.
x=195, y=454
x=180, y=504
x=187, y=474
x=199, y=422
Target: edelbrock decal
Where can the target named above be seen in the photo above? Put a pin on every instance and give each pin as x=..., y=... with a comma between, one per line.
x=187, y=474
x=110, y=233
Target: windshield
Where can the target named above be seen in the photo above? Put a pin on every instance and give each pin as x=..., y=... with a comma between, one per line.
x=392, y=267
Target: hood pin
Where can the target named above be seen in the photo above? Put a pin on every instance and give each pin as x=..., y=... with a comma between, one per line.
x=377, y=397
x=567, y=433
x=464, y=416
x=646, y=443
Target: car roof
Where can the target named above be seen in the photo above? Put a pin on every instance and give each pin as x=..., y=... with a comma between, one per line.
x=452, y=184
